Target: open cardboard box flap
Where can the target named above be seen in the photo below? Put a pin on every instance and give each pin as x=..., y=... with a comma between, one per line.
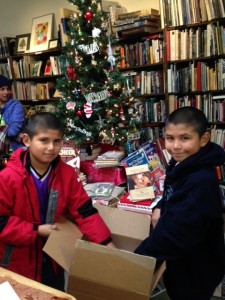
x=128, y=228
x=97, y=272
x=60, y=244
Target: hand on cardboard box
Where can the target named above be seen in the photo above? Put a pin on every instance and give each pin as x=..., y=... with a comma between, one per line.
x=111, y=245
x=46, y=229
x=155, y=216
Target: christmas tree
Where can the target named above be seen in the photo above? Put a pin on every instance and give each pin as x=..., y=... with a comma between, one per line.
x=96, y=102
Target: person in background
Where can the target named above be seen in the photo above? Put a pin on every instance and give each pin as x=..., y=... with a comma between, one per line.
x=11, y=114
x=36, y=189
x=188, y=220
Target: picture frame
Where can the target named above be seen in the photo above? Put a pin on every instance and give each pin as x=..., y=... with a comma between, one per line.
x=53, y=43
x=22, y=43
x=41, y=32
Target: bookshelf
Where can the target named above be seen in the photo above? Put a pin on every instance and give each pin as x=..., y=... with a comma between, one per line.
x=181, y=64
x=194, y=34
x=142, y=62
x=34, y=78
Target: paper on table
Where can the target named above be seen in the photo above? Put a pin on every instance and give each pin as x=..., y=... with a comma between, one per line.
x=8, y=292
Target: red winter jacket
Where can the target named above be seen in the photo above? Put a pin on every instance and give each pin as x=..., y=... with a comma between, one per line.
x=20, y=247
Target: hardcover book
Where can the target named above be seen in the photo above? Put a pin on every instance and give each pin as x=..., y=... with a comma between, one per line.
x=140, y=184
x=144, y=206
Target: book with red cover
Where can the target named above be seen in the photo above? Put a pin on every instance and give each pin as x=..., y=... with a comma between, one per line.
x=70, y=154
x=144, y=206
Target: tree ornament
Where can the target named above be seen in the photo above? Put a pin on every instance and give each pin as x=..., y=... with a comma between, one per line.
x=104, y=25
x=130, y=110
x=96, y=32
x=70, y=73
x=88, y=16
x=122, y=117
x=113, y=131
x=79, y=113
x=70, y=105
x=88, y=109
x=111, y=58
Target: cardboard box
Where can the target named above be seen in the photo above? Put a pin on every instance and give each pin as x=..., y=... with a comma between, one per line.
x=97, y=272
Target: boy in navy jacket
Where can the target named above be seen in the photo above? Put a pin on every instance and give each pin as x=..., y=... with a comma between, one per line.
x=188, y=221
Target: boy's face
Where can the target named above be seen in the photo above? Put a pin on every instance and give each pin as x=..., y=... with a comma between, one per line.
x=5, y=93
x=44, y=147
x=182, y=141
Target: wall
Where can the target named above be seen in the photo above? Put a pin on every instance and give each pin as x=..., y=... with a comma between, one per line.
x=16, y=15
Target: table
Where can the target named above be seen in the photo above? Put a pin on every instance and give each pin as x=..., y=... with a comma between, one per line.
x=34, y=284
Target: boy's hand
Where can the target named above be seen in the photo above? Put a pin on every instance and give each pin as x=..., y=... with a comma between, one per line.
x=45, y=229
x=155, y=216
x=111, y=245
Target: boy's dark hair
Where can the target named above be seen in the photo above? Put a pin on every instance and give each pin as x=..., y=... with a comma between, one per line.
x=190, y=116
x=43, y=121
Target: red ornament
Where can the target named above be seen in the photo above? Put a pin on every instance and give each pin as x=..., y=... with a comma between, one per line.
x=88, y=16
x=79, y=113
x=70, y=73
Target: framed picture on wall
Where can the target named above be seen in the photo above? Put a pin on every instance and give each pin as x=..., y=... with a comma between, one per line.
x=22, y=43
x=53, y=43
x=41, y=32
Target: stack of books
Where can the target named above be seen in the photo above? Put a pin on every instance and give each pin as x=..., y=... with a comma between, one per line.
x=109, y=159
x=129, y=24
x=105, y=193
x=144, y=206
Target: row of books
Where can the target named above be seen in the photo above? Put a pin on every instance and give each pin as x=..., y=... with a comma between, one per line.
x=31, y=90
x=152, y=133
x=217, y=135
x=5, y=69
x=154, y=110
x=147, y=52
x=182, y=12
x=151, y=110
x=145, y=82
x=195, y=42
x=212, y=105
x=28, y=66
x=196, y=76
x=7, y=45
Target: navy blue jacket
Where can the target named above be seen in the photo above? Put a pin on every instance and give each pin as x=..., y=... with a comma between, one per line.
x=13, y=115
x=189, y=234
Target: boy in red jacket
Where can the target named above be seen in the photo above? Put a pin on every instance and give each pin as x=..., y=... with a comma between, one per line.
x=36, y=189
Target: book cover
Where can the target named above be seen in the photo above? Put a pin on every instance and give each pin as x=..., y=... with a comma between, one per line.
x=102, y=189
x=70, y=154
x=163, y=153
x=136, y=158
x=116, y=193
x=140, y=184
x=36, y=68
